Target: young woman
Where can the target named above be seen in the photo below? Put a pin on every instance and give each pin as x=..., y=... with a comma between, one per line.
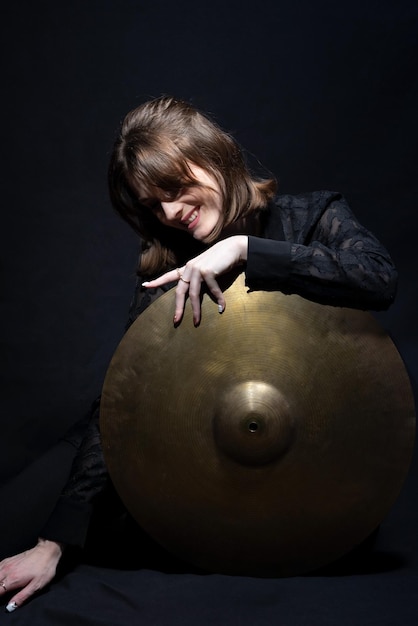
x=183, y=185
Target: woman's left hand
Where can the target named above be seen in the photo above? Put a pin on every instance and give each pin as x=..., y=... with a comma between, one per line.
x=220, y=258
x=28, y=572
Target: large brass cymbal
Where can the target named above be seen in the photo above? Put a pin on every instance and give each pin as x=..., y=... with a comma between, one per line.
x=270, y=440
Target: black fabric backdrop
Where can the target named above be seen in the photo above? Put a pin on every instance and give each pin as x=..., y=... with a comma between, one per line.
x=325, y=95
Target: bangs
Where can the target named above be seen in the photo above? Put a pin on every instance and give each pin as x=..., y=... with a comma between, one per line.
x=161, y=165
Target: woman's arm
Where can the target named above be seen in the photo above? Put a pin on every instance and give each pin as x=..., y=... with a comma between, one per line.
x=70, y=518
x=33, y=569
x=336, y=262
x=326, y=256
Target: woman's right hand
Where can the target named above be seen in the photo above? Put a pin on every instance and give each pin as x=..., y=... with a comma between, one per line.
x=29, y=571
x=219, y=259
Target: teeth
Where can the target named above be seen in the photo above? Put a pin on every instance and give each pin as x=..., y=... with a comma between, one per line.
x=192, y=217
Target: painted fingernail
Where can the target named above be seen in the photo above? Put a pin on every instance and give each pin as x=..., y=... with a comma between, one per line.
x=147, y=282
x=12, y=606
x=220, y=308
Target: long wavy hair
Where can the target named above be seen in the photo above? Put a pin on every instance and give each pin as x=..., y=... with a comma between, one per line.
x=155, y=144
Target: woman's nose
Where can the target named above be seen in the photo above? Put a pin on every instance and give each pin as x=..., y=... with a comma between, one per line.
x=172, y=210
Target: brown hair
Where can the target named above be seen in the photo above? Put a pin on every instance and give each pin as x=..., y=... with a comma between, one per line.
x=155, y=144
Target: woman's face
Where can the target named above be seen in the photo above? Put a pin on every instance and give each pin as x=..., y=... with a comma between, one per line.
x=196, y=210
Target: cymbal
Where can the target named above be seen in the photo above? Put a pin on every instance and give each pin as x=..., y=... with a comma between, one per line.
x=269, y=441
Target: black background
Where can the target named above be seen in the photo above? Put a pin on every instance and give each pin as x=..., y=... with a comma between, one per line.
x=323, y=93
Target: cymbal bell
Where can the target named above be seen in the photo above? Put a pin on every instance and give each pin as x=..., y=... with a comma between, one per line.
x=270, y=440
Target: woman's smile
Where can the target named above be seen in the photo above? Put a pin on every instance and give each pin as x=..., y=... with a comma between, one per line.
x=191, y=219
x=197, y=209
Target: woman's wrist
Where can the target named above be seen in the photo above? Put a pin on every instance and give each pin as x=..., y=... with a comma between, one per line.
x=242, y=242
x=55, y=547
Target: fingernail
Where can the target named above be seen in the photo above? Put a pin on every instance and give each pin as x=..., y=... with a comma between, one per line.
x=220, y=308
x=147, y=282
x=12, y=606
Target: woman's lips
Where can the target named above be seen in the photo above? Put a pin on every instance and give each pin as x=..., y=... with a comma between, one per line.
x=192, y=218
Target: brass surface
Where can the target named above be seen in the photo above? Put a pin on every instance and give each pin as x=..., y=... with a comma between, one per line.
x=270, y=440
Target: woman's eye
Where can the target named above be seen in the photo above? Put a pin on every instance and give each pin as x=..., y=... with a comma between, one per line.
x=171, y=196
x=153, y=205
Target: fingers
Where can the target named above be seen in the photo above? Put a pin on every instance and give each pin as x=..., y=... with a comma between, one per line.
x=195, y=294
x=28, y=572
x=182, y=290
x=164, y=279
x=195, y=290
x=20, y=598
x=5, y=591
x=189, y=285
x=24, y=594
x=217, y=260
x=190, y=279
x=8, y=584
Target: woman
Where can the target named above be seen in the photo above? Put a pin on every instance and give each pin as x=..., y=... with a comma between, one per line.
x=182, y=184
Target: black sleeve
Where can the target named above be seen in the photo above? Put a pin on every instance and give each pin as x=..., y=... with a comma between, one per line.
x=69, y=520
x=338, y=262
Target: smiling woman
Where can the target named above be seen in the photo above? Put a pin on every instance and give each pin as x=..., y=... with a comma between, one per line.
x=183, y=185
x=166, y=151
x=196, y=209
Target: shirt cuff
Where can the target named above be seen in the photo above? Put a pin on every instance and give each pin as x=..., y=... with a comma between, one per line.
x=68, y=522
x=268, y=263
